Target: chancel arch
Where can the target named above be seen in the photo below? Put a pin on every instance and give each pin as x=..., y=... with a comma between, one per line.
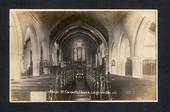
x=85, y=31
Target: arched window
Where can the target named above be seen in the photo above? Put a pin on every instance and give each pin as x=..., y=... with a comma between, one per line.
x=79, y=52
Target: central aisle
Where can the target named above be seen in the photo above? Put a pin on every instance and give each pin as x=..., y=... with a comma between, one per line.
x=81, y=90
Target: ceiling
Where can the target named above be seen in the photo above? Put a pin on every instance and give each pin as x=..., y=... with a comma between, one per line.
x=50, y=18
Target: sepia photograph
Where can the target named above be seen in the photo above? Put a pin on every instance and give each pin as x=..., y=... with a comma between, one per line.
x=83, y=55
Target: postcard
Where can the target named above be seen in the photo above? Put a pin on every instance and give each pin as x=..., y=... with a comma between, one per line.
x=83, y=55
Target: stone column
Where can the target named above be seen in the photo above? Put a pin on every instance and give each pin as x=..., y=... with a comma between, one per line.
x=120, y=67
x=107, y=60
x=96, y=60
x=136, y=67
x=15, y=70
x=46, y=69
x=60, y=55
x=123, y=67
x=36, y=67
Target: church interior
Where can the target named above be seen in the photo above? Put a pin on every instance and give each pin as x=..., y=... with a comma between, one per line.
x=83, y=55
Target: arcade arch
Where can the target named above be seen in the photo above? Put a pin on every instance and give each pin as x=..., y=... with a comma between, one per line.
x=31, y=38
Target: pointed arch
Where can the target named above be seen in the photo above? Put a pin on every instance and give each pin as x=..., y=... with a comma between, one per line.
x=35, y=47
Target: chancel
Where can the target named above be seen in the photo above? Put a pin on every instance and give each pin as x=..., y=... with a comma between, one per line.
x=85, y=55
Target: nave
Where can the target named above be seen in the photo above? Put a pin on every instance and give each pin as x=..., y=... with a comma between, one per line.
x=82, y=87
x=83, y=55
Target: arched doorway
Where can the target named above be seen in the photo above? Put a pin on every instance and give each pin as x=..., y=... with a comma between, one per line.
x=128, y=67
